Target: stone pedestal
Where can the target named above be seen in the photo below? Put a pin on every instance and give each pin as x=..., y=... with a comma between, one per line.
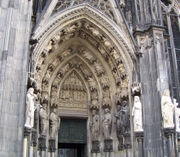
x=139, y=139
x=95, y=147
x=34, y=138
x=120, y=145
x=169, y=141
x=52, y=147
x=42, y=146
x=127, y=141
x=27, y=133
x=178, y=139
x=108, y=145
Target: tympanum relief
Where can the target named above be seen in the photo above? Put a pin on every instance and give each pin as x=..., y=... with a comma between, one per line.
x=73, y=93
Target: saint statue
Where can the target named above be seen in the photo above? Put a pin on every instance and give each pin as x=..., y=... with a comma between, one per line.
x=167, y=108
x=106, y=123
x=137, y=114
x=94, y=125
x=177, y=115
x=54, y=123
x=125, y=111
x=44, y=122
x=30, y=108
x=119, y=126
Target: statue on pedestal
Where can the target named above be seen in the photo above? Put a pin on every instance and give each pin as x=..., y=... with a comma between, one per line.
x=119, y=126
x=30, y=108
x=167, y=108
x=94, y=125
x=177, y=115
x=44, y=121
x=137, y=114
x=54, y=123
x=125, y=116
x=106, y=123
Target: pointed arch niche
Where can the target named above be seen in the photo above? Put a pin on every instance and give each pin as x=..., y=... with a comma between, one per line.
x=84, y=61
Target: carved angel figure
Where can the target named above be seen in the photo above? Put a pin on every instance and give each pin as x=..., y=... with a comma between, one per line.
x=106, y=123
x=137, y=114
x=30, y=108
x=89, y=56
x=94, y=125
x=104, y=81
x=92, y=84
x=54, y=123
x=167, y=108
x=99, y=68
x=49, y=46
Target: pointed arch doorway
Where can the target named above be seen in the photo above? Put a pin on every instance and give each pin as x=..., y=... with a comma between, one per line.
x=84, y=70
x=72, y=138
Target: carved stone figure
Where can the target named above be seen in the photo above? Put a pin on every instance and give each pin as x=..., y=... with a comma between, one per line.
x=137, y=114
x=104, y=82
x=49, y=46
x=89, y=56
x=54, y=123
x=167, y=108
x=30, y=108
x=125, y=111
x=119, y=121
x=44, y=122
x=106, y=123
x=119, y=126
x=94, y=125
x=177, y=115
x=92, y=84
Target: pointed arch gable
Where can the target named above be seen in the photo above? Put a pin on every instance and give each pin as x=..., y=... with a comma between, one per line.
x=117, y=34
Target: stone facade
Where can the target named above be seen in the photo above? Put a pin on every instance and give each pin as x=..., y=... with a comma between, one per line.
x=104, y=61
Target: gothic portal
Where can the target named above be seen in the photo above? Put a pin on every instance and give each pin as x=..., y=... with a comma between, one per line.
x=89, y=78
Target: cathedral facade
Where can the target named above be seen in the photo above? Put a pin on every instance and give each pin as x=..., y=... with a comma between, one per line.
x=89, y=78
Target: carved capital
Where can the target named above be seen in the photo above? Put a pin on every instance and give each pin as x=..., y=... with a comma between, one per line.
x=27, y=131
x=136, y=89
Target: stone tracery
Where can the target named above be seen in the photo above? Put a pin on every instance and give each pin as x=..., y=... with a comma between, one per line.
x=104, y=6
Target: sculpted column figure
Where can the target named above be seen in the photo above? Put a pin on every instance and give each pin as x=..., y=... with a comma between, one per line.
x=44, y=122
x=125, y=116
x=106, y=123
x=119, y=127
x=167, y=108
x=54, y=123
x=177, y=116
x=94, y=125
x=30, y=108
x=137, y=114
x=125, y=110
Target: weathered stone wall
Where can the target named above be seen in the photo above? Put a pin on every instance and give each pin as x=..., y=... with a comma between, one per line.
x=15, y=17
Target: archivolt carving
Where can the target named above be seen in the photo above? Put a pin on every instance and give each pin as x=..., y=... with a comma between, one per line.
x=97, y=78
